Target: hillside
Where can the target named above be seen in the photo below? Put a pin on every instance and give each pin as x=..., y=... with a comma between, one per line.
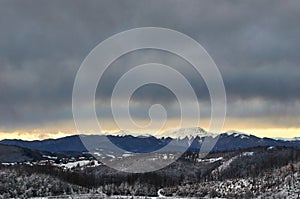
x=255, y=172
x=15, y=154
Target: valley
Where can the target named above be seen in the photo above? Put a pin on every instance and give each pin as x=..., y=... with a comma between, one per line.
x=254, y=172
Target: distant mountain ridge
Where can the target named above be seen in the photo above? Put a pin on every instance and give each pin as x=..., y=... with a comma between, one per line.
x=229, y=141
x=69, y=143
x=14, y=154
x=289, y=139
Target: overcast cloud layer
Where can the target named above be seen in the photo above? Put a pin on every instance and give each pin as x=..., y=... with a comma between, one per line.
x=255, y=44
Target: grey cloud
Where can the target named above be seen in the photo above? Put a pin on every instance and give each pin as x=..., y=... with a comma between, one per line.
x=42, y=43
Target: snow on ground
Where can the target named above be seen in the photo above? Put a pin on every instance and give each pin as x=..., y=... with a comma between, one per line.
x=111, y=156
x=248, y=153
x=80, y=163
x=8, y=163
x=50, y=157
x=98, y=196
x=127, y=155
x=97, y=154
x=210, y=160
x=270, y=147
x=283, y=182
x=227, y=163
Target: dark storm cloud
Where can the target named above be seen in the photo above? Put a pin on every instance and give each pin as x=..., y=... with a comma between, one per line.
x=42, y=43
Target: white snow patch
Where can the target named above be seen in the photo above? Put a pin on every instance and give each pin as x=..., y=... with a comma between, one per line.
x=97, y=154
x=248, y=153
x=49, y=157
x=111, y=156
x=127, y=155
x=71, y=165
x=211, y=160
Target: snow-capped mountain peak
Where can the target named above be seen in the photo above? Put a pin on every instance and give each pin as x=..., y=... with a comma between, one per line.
x=189, y=133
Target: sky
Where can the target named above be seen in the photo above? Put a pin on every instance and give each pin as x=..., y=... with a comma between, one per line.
x=255, y=45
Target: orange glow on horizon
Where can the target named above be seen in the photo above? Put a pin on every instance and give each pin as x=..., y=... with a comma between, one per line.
x=41, y=134
x=66, y=128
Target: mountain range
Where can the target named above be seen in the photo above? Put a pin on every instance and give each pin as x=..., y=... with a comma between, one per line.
x=228, y=141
